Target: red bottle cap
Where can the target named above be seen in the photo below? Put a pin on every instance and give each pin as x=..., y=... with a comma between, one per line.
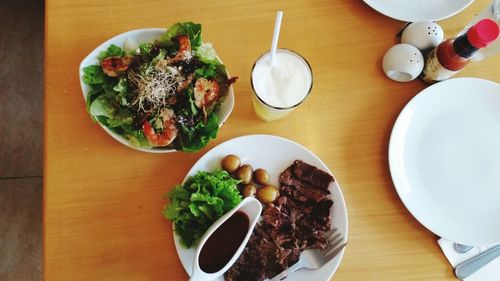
x=483, y=33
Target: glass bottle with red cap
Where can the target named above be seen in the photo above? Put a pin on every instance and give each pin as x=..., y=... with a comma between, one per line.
x=453, y=54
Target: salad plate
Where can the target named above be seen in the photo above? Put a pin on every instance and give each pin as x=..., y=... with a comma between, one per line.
x=131, y=40
x=444, y=159
x=422, y=10
x=274, y=154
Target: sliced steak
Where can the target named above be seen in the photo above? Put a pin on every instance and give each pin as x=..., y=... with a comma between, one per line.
x=311, y=174
x=296, y=221
x=311, y=185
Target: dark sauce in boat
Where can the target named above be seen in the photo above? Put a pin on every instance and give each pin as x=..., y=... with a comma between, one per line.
x=223, y=243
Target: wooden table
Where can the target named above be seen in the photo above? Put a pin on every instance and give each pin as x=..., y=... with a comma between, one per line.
x=103, y=201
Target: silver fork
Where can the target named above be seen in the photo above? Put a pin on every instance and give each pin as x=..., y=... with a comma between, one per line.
x=314, y=258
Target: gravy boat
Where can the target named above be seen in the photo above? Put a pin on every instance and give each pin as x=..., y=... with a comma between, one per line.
x=252, y=208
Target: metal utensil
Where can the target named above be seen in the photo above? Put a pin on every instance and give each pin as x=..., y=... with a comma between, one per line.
x=466, y=268
x=462, y=249
x=314, y=258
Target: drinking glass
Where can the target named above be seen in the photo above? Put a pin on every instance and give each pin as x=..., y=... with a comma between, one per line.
x=267, y=111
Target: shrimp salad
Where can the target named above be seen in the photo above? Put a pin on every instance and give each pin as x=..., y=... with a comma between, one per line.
x=163, y=94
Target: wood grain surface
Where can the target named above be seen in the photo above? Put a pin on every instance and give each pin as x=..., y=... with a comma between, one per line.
x=103, y=201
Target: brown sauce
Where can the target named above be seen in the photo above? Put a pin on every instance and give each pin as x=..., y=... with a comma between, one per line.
x=223, y=243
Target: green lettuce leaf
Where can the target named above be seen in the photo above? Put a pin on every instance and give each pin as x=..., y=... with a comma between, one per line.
x=134, y=136
x=93, y=75
x=193, y=30
x=122, y=91
x=208, y=71
x=161, y=55
x=120, y=118
x=92, y=95
x=200, y=201
x=145, y=48
x=111, y=51
x=197, y=137
x=206, y=53
x=101, y=106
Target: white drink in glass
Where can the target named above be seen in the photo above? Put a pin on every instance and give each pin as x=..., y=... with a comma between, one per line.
x=281, y=87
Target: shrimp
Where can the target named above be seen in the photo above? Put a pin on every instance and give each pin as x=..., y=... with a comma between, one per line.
x=113, y=66
x=206, y=92
x=184, y=43
x=184, y=52
x=169, y=132
x=182, y=85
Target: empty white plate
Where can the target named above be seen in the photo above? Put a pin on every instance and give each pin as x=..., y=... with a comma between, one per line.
x=418, y=10
x=444, y=158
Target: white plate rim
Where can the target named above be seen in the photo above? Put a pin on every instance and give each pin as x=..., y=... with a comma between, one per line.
x=91, y=58
x=392, y=152
x=388, y=13
x=335, y=263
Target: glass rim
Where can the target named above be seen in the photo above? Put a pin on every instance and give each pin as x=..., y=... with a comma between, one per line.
x=278, y=107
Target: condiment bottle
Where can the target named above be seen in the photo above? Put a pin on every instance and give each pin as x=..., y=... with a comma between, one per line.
x=453, y=54
x=491, y=11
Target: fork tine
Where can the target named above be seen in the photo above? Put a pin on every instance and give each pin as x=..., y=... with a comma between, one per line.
x=335, y=252
x=329, y=237
x=333, y=237
x=330, y=232
x=332, y=245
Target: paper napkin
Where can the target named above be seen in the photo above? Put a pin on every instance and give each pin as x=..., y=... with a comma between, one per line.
x=490, y=272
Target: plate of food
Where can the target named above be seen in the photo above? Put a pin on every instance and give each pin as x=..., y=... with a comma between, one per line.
x=301, y=200
x=158, y=90
x=444, y=159
x=423, y=10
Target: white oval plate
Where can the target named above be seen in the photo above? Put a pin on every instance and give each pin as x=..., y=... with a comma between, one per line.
x=141, y=36
x=274, y=154
x=418, y=10
x=444, y=158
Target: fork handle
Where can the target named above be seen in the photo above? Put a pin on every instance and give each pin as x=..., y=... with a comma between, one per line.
x=468, y=267
x=298, y=265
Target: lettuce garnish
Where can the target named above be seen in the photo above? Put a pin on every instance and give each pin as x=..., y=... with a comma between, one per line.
x=200, y=201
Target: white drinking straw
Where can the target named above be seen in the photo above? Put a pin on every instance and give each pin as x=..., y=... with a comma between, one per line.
x=276, y=35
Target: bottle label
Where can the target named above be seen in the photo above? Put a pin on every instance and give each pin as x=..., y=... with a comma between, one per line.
x=434, y=71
